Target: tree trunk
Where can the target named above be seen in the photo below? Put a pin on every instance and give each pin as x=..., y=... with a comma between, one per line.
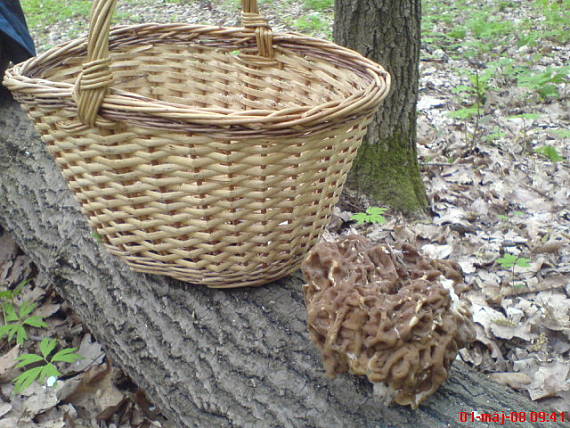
x=206, y=357
x=388, y=32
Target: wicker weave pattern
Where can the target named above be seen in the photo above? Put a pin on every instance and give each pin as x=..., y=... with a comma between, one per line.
x=207, y=160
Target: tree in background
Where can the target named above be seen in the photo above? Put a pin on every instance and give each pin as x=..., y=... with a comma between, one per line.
x=388, y=32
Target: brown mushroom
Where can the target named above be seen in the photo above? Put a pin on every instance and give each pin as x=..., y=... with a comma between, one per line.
x=383, y=312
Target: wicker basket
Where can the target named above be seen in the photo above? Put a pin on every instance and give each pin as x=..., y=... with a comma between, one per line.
x=210, y=154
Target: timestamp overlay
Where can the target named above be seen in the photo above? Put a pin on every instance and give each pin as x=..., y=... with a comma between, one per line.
x=502, y=418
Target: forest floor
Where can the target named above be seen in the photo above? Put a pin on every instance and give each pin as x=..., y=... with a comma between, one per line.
x=493, y=143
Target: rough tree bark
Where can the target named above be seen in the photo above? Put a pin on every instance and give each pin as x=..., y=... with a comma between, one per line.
x=206, y=357
x=388, y=32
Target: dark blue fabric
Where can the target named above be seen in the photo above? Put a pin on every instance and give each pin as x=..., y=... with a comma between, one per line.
x=18, y=43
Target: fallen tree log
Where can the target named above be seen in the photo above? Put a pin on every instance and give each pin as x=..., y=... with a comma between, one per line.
x=205, y=357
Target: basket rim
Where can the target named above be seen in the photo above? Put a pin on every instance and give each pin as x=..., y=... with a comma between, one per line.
x=121, y=105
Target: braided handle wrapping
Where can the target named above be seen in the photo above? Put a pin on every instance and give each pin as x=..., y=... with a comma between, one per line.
x=96, y=77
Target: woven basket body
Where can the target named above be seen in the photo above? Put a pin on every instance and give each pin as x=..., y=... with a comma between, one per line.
x=203, y=159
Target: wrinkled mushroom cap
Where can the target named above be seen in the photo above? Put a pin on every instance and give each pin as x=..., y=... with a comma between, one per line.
x=384, y=313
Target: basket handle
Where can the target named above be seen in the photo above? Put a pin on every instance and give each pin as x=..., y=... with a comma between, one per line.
x=95, y=77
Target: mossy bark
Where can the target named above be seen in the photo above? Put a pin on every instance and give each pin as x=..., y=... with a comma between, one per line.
x=388, y=32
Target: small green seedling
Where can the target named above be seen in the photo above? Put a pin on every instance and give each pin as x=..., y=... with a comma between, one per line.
x=550, y=152
x=465, y=113
x=529, y=116
x=514, y=213
x=496, y=135
x=46, y=370
x=509, y=261
x=372, y=215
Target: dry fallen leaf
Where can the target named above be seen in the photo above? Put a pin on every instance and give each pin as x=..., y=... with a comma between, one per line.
x=8, y=361
x=94, y=389
x=492, y=346
x=550, y=247
x=47, y=310
x=12, y=422
x=40, y=398
x=118, y=410
x=4, y=408
x=549, y=380
x=91, y=351
x=556, y=314
x=145, y=405
x=514, y=380
x=437, y=251
x=427, y=102
x=499, y=325
x=453, y=215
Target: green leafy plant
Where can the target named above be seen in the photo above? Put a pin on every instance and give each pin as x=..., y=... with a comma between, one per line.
x=562, y=133
x=479, y=85
x=319, y=4
x=12, y=294
x=40, y=13
x=17, y=317
x=530, y=38
x=556, y=15
x=313, y=24
x=476, y=93
x=529, y=116
x=372, y=215
x=465, y=113
x=509, y=215
x=546, y=82
x=47, y=367
x=483, y=25
x=510, y=261
x=497, y=134
x=550, y=152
